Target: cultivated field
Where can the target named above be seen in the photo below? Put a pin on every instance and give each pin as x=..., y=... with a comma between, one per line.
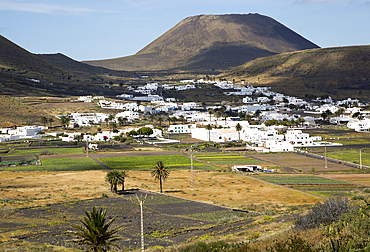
x=178, y=162
x=316, y=185
x=226, y=160
x=300, y=162
x=360, y=179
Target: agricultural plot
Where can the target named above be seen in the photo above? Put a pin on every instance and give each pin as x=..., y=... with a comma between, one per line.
x=359, y=179
x=60, y=164
x=352, y=155
x=40, y=151
x=173, y=162
x=225, y=160
x=320, y=186
x=167, y=220
x=300, y=162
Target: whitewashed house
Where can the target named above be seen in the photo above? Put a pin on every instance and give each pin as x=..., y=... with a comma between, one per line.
x=178, y=128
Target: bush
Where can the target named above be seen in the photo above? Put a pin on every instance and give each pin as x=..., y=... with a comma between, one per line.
x=47, y=152
x=323, y=213
x=357, y=223
x=293, y=244
x=206, y=247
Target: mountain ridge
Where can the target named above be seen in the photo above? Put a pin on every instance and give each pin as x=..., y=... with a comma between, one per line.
x=337, y=71
x=189, y=43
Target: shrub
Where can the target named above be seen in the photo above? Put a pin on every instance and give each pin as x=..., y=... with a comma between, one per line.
x=323, y=213
x=366, y=190
x=293, y=244
x=357, y=223
x=206, y=247
x=47, y=152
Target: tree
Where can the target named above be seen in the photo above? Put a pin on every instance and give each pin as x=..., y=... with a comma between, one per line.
x=209, y=128
x=51, y=120
x=115, y=178
x=146, y=131
x=169, y=119
x=160, y=173
x=44, y=120
x=120, y=120
x=64, y=120
x=113, y=125
x=121, y=85
x=106, y=121
x=160, y=120
x=257, y=113
x=218, y=114
x=210, y=112
x=182, y=118
x=238, y=128
x=122, y=181
x=96, y=232
x=151, y=117
x=132, y=133
x=356, y=114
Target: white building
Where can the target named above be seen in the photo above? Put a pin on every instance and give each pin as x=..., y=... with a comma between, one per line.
x=359, y=125
x=185, y=128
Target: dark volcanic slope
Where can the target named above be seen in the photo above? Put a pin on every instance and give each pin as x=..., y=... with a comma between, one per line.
x=13, y=57
x=340, y=72
x=212, y=41
x=70, y=65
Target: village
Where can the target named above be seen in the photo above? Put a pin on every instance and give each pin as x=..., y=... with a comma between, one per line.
x=266, y=121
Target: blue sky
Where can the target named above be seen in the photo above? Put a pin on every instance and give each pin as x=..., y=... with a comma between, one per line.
x=97, y=29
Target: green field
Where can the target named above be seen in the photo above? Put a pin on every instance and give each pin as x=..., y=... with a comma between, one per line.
x=60, y=164
x=351, y=141
x=178, y=162
x=225, y=159
x=315, y=185
x=352, y=155
x=38, y=151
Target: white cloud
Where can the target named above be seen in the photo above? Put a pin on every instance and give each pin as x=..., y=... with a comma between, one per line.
x=45, y=8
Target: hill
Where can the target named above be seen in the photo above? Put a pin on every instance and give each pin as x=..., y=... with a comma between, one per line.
x=15, y=58
x=212, y=42
x=70, y=65
x=339, y=72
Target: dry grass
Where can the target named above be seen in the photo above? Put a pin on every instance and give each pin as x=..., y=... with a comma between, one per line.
x=228, y=189
x=362, y=179
x=58, y=107
x=28, y=189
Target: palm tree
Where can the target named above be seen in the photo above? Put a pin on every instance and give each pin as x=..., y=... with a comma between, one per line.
x=160, y=120
x=238, y=128
x=95, y=232
x=106, y=121
x=182, y=118
x=209, y=128
x=218, y=114
x=114, y=178
x=123, y=175
x=169, y=119
x=210, y=112
x=160, y=172
x=120, y=120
